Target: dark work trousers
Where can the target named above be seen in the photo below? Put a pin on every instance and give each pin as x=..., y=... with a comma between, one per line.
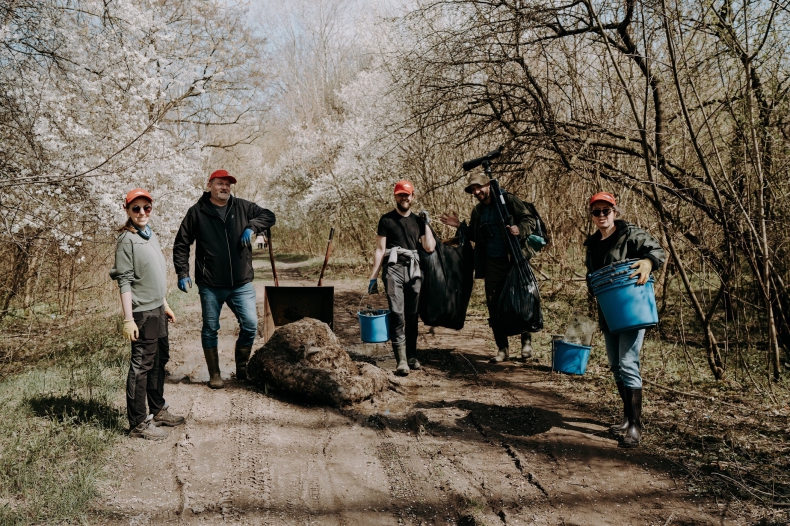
x=403, y=296
x=150, y=354
x=497, y=270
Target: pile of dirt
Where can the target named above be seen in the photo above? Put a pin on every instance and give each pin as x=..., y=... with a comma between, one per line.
x=305, y=359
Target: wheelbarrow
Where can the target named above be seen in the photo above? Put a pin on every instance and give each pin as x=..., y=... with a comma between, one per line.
x=284, y=305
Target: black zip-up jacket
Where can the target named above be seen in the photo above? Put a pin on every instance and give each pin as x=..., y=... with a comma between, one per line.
x=220, y=258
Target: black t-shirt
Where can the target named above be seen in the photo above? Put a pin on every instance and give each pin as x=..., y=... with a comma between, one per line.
x=403, y=232
x=221, y=210
x=599, y=248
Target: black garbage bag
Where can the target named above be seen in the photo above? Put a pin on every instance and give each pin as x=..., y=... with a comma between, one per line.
x=447, y=281
x=519, y=304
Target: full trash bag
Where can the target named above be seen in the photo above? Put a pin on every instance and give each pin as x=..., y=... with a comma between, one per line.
x=519, y=304
x=447, y=281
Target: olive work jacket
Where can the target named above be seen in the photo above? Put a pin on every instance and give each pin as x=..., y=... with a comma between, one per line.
x=220, y=258
x=631, y=243
x=522, y=218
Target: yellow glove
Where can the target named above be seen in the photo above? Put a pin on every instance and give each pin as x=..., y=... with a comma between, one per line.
x=643, y=268
x=130, y=330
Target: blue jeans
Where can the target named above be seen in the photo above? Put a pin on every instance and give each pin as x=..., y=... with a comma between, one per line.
x=623, y=352
x=241, y=301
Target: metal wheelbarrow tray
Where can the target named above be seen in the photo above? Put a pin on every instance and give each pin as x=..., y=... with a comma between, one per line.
x=284, y=305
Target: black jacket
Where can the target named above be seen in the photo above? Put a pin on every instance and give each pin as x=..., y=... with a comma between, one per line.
x=220, y=258
x=522, y=218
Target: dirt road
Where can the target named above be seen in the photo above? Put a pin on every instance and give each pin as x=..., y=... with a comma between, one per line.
x=460, y=442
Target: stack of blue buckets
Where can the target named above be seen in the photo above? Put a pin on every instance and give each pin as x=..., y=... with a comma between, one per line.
x=625, y=305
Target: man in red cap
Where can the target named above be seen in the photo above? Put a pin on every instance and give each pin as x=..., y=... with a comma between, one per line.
x=222, y=227
x=397, y=238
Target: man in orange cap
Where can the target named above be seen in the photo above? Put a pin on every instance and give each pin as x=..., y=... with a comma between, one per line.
x=223, y=228
x=398, y=235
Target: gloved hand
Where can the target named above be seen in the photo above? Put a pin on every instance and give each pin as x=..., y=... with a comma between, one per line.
x=130, y=330
x=373, y=286
x=246, y=237
x=183, y=282
x=536, y=242
x=643, y=268
x=425, y=217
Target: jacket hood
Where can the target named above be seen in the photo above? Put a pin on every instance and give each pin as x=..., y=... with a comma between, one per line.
x=620, y=228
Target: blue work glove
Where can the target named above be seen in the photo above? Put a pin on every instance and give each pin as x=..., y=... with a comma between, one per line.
x=425, y=217
x=246, y=237
x=183, y=282
x=373, y=286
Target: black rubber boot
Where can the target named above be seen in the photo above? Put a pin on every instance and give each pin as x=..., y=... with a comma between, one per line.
x=634, y=432
x=400, y=356
x=242, y=357
x=526, y=346
x=622, y=426
x=212, y=362
x=411, y=342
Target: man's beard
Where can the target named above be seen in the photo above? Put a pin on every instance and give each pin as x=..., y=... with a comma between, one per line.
x=403, y=208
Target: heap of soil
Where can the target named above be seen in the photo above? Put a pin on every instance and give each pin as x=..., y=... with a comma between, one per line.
x=305, y=359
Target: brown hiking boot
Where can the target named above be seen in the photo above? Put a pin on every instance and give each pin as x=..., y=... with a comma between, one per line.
x=148, y=431
x=165, y=418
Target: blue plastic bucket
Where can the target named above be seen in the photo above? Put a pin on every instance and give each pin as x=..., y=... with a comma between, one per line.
x=569, y=358
x=625, y=305
x=374, y=329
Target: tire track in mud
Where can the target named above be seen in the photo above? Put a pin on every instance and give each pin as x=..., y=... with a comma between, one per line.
x=248, y=485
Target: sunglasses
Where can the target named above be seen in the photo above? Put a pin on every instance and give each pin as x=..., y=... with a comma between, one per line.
x=147, y=209
x=601, y=212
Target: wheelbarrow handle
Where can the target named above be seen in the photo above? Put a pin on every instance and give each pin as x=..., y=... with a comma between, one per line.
x=271, y=257
x=326, y=257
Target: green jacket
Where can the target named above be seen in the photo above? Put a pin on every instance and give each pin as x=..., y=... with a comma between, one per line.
x=522, y=218
x=632, y=243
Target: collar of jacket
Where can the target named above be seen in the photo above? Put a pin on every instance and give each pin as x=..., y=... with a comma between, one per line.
x=620, y=228
x=209, y=207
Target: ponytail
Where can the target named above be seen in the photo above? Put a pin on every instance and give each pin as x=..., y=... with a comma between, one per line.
x=126, y=227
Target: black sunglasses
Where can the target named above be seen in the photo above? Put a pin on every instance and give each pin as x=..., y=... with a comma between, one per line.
x=601, y=212
x=147, y=209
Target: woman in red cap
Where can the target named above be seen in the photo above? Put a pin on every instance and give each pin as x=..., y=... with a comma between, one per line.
x=617, y=240
x=142, y=278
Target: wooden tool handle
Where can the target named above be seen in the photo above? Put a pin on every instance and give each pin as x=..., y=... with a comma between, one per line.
x=326, y=257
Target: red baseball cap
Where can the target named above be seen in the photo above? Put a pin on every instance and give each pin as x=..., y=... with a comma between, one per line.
x=404, y=187
x=222, y=174
x=605, y=197
x=134, y=194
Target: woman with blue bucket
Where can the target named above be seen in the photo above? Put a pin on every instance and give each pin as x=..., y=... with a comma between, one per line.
x=622, y=318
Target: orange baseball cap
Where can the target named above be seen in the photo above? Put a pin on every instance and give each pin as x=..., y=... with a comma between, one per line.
x=404, y=187
x=134, y=194
x=222, y=174
x=605, y=197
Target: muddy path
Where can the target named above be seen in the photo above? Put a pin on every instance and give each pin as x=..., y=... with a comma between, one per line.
x=460, y=442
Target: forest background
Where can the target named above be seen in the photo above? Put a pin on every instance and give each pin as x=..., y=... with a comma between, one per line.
x=679, y=108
